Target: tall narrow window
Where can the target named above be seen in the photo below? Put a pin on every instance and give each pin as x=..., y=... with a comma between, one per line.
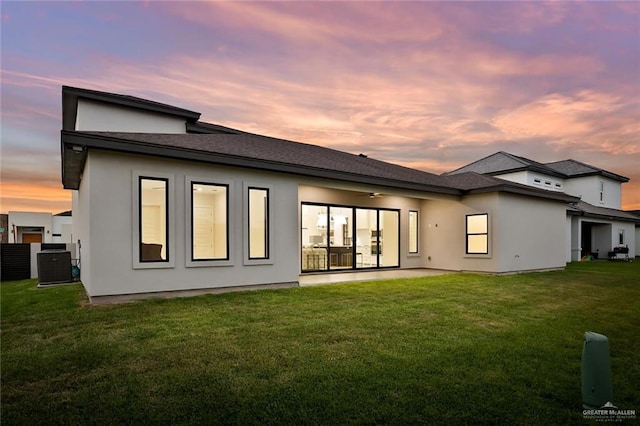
x=413, y=231
x=154, y=219
x=258, y=223
x=209, y=224
x=620, y=236
x=477, y=234
x=601, y=191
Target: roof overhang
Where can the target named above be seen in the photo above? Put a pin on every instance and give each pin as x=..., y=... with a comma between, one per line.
x=527, y=191
x=602, y=213
x=75, y=146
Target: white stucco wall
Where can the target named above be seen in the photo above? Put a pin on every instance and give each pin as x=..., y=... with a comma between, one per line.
x=588, y=189
x=524, y=234
x=444, y=229
x=98, y=116
x=529, y=233
x=63, y=226
x=107, y=247
x=567, y=238
x=538, y=180
x=519, y=177
x=81, y=202
x=629, y=235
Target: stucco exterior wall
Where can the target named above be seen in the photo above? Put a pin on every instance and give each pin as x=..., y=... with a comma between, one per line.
x=98, y=116
x=588, y=189
x=525, y=234
x=111, y=229
x=629, y=236
x=444, y=230
x=570, y=232
x=519, y=177
x=538, y=180
x=81, y=202
x=529, y=233
x=62, y=229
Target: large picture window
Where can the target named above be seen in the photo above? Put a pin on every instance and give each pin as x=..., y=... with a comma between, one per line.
x=154, y=219
x=209, y=224
x=258, y=223
x=477, y=231
x=413, y=232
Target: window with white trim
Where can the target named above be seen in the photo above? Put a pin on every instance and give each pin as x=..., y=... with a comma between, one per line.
x=413, y=231
x=477, y=233
x=153, y=220
x=209, y=221
x=258, y=215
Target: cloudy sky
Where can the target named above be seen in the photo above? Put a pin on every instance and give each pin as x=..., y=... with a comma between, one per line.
x=430, y=85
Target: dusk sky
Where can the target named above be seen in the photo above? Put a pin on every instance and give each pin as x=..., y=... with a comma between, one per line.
x=429, y=85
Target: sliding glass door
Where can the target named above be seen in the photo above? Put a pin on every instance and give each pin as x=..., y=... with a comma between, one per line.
x=367, y=248
x=344, y=237
x=340, y=240
x=315, y=237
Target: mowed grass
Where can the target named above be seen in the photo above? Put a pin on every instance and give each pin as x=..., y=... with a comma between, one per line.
x=451, y=349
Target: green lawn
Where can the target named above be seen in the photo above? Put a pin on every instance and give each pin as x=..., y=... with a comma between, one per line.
x=453, y=349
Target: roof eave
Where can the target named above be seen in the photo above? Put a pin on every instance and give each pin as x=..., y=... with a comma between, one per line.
x=73, y=164
x=604, y=173
x=552, y=195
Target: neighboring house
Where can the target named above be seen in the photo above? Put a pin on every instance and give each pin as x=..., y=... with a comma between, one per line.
x=163, y=202
x=4, y=228
x=595, y=224
x=27, y=234
x=36, y=227
x=636, y=213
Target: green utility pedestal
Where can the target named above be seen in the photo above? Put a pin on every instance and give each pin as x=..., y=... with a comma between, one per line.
x=597, y=389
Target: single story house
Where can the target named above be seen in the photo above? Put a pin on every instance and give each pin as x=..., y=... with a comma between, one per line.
x=595, y=225
x=165, y=203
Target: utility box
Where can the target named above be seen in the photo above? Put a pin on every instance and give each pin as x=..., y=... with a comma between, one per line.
x=597, y=389
x=54, y=267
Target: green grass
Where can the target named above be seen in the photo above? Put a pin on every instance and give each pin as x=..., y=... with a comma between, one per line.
x=454, y=349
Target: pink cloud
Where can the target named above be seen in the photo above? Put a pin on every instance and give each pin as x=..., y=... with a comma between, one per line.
x=401, y=83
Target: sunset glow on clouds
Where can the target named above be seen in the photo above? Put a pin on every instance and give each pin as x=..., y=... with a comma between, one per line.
x=428, y=85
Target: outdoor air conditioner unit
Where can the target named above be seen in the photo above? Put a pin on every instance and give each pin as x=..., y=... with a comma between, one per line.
x=54, y=267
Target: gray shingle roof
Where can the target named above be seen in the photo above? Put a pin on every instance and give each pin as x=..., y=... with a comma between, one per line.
x=502, y=162
x=267, y=153
x=263, y=152
x=573, y=168
x=590, y=210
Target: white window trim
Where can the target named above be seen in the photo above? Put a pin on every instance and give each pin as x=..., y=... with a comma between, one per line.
x=417, y=252
x=245, y=224
x=488, y=254
x=190, y=263
x=135, y=213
